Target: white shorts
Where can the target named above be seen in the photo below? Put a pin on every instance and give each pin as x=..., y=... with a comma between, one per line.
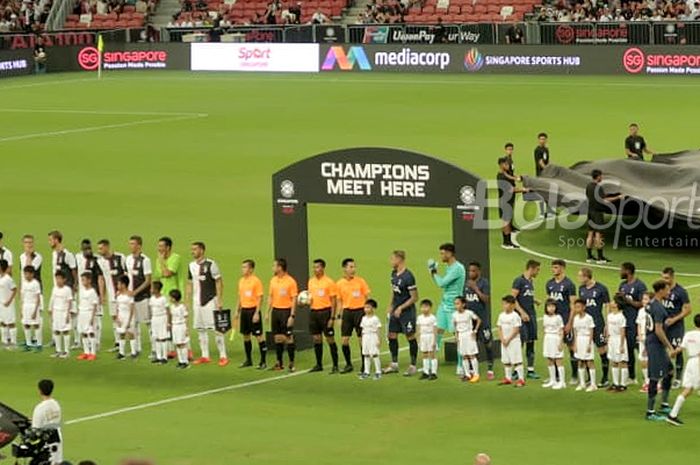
x=142, y=312
x=121, y=325
x=112, y=305
x=427, y=343
x=466, y=344
x=370, y=344
x=58, y=322
x=582, y=352
x=180, y=334
x=85, y=325
x=204, y=315
x=691, y=375
x=642, y=357
x=28, y=313
x=159, y=327
x=513, y=354
x=552, y=347
x=614, y=351
x=7, y=315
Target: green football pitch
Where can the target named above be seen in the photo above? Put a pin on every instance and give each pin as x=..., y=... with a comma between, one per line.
x=191, y=155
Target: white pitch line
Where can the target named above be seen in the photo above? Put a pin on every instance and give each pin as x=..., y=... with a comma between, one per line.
x=102, y=112
x=692, y=286
x=45, y=83
x=98, y=128
x=530, y=251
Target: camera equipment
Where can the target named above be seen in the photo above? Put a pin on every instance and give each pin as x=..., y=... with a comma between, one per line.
x=34, y=444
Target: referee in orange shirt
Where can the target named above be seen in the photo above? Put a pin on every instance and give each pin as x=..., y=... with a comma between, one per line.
x=353, y=292
x=282, y=312
x=250, y=292
x=323, y=305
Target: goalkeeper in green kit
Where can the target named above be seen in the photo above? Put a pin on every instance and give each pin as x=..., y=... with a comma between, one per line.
x=452, y=285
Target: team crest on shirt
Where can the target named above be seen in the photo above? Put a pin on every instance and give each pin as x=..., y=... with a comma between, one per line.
x=467, y=195
x=287, y=189
x=356, y=293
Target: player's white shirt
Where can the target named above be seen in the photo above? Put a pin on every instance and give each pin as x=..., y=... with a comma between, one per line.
x=158, y=306
x=691, y=343
x=30, y=291
x=464, y=321
x=370, y=325
x=552, y=324
x=7, y=285
x=124, y=302
x=583, y=326
x=25, y=261
x=507, y=322
x=178, y=314
x=108, y=274
x=616, y=325
x=6, y=254
x=641, y=321
x=426, y=324
x=47, y=414
x=70, y=261
x=61, y=298
x=88, y=300
x=194, y=272
x=147, y=269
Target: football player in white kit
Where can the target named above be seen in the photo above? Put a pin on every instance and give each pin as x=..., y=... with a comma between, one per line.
x=47, y=415
x=553, y=325
x=616, y=334
x=140, y=271
x=113, y=266
x=8, y=312
x=88, y=262
x=691, y=375
x=509, y=324
x=641, y=323
x=178, y=327
x=31, y=308
x=371, y=326
x=467, y=325
x=60, y=307
x=426, y=323
x=158, y=305
x=126, y=318
x=87, y=317
x=5, y=254
x=583, y=345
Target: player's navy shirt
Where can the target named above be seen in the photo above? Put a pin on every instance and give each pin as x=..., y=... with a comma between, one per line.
x=656, y=313
x=402, y=285
x=526, y=293
x=636, y=290
x=561, y=292
x=475, y=304
x=674, y=303
x=596, y=297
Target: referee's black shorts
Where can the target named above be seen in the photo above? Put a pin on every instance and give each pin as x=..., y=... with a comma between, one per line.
x=596, y=221
x=318, y=322
x=351, y=322
x=279, y=319
x=247, y=325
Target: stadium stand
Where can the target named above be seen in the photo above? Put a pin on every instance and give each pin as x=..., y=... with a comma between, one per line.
x=23, y=15
x=469, y=11
x=621, y=10
x=112, y=14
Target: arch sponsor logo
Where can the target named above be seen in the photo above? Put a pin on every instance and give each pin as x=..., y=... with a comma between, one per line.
x=473, y=60
x=637, y=61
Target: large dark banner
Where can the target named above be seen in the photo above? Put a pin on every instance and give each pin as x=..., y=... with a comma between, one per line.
x=374, y=176
x=16, y=63
x=129, y=57
x=13, y=41
x=595, y=33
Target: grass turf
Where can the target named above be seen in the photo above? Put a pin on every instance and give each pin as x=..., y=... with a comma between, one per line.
x=190, y=156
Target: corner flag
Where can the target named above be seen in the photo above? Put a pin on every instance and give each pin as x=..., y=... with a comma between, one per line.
x=100, y=50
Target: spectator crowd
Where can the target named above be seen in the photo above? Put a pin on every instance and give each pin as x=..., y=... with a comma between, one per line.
x=23, y=15
x=620, y=10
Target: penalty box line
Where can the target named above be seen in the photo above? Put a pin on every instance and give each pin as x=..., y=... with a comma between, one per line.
x=195, y=395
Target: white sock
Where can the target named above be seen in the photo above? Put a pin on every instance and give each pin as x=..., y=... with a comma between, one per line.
x=98, y=334
x=521, y=372
x=366, y=365
x=592, y=373
x=13, y=336
x=221, y=345
x=434, y=365
x=86, y=345
x=581, y=376
x=182, y=355
x=66, y=342
x=377, y=365
x=625, y=376
x=92, y=345
x=508, y=371
x=159, y=350
x=475, y=366
x=204, y=343
x=552, y=374
x=615, y=376
x=4, y=335
x=562, y=374
x=134, y=343
x=151, y=338
x=677, y=406
x=645, y=372
x=426, y=367
x=58, y=340
x=27, y=336
x=39, y=336
x=122, y=346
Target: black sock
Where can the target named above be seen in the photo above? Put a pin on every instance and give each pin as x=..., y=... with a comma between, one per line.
x=679, y=366
x=263, y=352
x=334, y=353
x=505, y=238
x=318, y=350
x=600, y=254
x=346, y=354
x=248, y=346
x=574, y=364
x=489, y=356
x=530, y=353
x=394, y=350
x=666, y=389
x=605, y=364
x=509, y=241
x=631, y=364
x=279, y=348
x=589, y=251
x=413, y=350
x=291, y=347
x=651, y=396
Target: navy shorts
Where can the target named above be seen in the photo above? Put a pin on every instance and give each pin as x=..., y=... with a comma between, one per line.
x=405, y=324
x=675, y=334
x=660, y=365
x=528, y=331
x=599, y=336
x=485, y=335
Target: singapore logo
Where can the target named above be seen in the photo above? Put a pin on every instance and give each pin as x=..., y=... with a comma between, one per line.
x=473, y=60
x=467, y=195
x=287, y=189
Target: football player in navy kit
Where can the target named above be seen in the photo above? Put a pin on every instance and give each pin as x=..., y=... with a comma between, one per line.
x=677, y=305
x=523, y=290
x=632, y=289
x=597, y=297
x=562, y=291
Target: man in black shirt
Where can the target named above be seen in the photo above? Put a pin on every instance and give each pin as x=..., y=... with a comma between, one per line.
x=39, y=55
x=635, y=145
x=514, y=35
x=541, y=161
x=597, y=206
x=506, y=200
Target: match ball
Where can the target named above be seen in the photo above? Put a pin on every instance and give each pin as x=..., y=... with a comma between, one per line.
x=304, y=298
x=41, y=55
